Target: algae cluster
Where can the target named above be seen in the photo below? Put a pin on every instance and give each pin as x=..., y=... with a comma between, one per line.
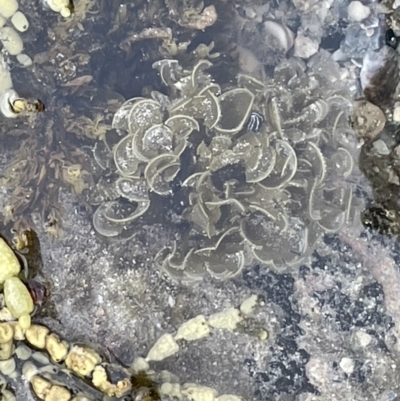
x=265, y=191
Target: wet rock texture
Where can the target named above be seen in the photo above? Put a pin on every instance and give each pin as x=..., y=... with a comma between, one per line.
x=333, y=322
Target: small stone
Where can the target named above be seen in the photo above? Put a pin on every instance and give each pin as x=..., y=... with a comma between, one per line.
x=368, y=120
x=11, y=40
x=9, y=265
x=396, y=113
x=8, y=8
x=7, y=367
x=381, y=147
x=357, y=11
x=3, y=21
x=20, y=22
x=23, y=353
x=347, y=365
x=263, y=335
x=363, y=338
x=305, y=47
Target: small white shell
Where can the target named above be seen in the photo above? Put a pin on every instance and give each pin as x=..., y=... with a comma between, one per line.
x=8, y=8
x=282, y=34
x=24, y=60
x=11, y=40
x=59, y=6
x=20, y=22
x=6, y=99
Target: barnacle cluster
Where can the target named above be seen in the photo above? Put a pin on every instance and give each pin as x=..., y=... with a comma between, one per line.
x=267, y=160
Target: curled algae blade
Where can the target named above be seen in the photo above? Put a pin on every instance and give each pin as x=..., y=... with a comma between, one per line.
x=182, y=126
x=234, y=203
x=226, y=258
x=198, y=77
x=192, y=180
x=103, y=155
x=223, y=266
x=312, y=155
x=342, y=162
x=236, y=106
x=157, y=140
x=319, y=109
x=204, y=106
x=160, y=172
x=134, y=188
x=123, y=211
x=120, y=120
x=104, y=226
x=204, y=251
x=125, y=158
x=252, y=84
x=287, y=248
x=176, y=259
x=293, y=135
x=194, y=268
x=169, y=71
x=144, y=114
x=208, y=108
x=285, y=166
x=275, y=115
x=260, y=160
x=332, y=221
x=213, y=88
x=203, y=218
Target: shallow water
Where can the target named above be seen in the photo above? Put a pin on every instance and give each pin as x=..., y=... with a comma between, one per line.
x=329, y=285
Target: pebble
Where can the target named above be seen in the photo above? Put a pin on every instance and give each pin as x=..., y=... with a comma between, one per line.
x=381, y=147
x=369, y=120
x=357, y=11
x=305, y=47
x=20, y=22
x=364, y=338
x=347, y=365
x=396, y=113
x=8, y=8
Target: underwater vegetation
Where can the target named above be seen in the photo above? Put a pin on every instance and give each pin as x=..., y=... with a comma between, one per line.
x=71, y=73
x=260, y=167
